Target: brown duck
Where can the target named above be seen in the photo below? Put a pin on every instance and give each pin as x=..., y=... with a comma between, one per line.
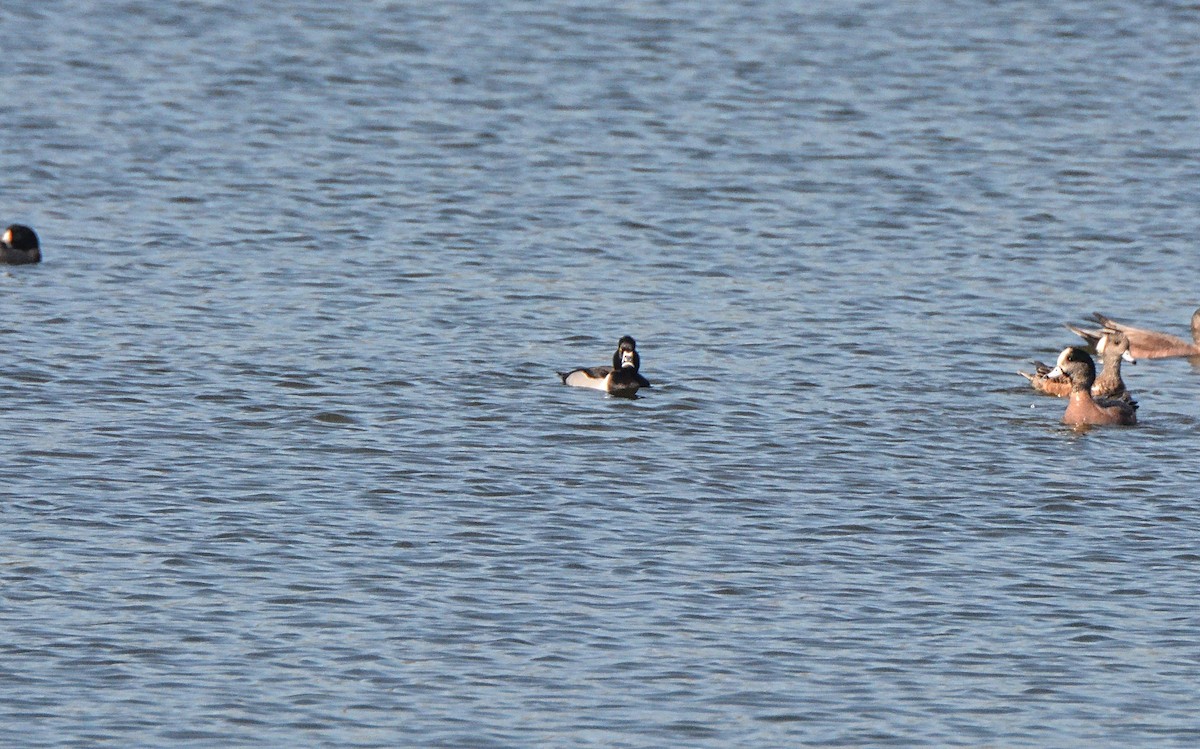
x=1113, y=346
x=1146, y=344
x=1075, y=364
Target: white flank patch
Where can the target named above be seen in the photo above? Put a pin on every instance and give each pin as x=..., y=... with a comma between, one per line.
x=581, y=379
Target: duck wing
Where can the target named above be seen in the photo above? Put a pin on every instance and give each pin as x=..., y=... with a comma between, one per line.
x=1091, y=336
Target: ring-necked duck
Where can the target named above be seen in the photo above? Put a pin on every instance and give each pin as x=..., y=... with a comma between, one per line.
x=1146, y=344
x=1076, y=365
x=1113, y=346
x=621, y=378
x=19, y=245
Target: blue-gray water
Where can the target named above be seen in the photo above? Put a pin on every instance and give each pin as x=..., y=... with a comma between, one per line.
x=287, y=463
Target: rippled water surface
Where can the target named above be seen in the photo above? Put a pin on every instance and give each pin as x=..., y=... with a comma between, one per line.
x=288, y=464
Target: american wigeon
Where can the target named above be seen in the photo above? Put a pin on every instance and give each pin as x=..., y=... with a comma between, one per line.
x=1075, y=364
x=19, y=245
x=621, y=378
x=1113, y=346
x=1146, y=344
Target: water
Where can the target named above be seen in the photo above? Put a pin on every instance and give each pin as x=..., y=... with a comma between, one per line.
x=288, y=463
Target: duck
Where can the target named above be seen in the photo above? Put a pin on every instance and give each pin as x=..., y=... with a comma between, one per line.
x=1113, y=347
x=1076, y=365
x=19, y=245
x=1146, y=344
x=622, y=378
